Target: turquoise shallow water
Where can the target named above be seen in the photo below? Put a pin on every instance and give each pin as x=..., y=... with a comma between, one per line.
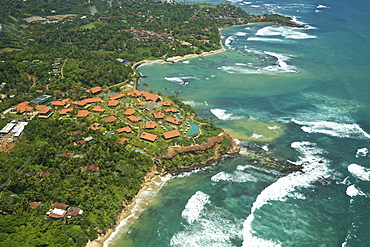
x=300, y=93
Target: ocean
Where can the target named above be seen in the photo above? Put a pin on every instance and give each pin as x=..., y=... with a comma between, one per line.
x=303, y=94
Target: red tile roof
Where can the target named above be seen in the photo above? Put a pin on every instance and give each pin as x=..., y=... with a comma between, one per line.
x=174, y=110
x=129, y=111
x=134, y=119
x=150, y=96
x=95, y=126
x=94, y=90
x=98, y=108
x=58, y=103
x=150, y=124
x=166, y=103
x=117, y=96
x=148, y=136
x=39, y=91
x=109, y=119
x=134, y=93
x=43, y=109
x=126, y=129
x=83, y=113
x=65, y=111
x=173, y=120
x=158, y=115
x=143, y=103
x=23, y=107
x=171, y=134
x=113, y=102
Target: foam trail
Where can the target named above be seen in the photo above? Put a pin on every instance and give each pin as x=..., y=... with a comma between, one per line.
x=313, y=167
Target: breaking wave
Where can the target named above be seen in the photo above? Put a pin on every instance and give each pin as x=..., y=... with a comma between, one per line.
x=342, y=130
x=360, y=172
x=313, y=166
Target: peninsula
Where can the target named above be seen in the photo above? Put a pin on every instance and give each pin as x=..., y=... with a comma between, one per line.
x=77, y=137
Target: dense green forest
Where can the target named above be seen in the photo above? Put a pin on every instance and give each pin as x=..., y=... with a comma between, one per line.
x=64, y=55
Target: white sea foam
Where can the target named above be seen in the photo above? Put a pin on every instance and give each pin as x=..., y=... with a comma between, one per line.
x=186, y=61
x=240, y=70
x=320, y=6
x=265, y=39
x=141, y=202
x=342, y=130
x=353, y=191
x=362, y=152
x=236, y=177
x=281, y=64
x=221, y=114
x=360, y=172
x=256, y=136
x=241, y=34
x=211, y=228
x=229, y=41
x=285, y=187
x=194, y=103
x=181, y=79
x=194, y=206
x=286, y=32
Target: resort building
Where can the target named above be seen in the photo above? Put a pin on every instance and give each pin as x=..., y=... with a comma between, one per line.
x=113, y=103
x=83, y=113
x=98, y=108
x=150, y=125
x=171, y=134
x=129, y=112
x=148, y=137
x=109, y=119
x=117, y=96
x=65, y=111
x=158, y=115
x=126, y=129
x=94, y=90
x=173, y=120
x=134, y=119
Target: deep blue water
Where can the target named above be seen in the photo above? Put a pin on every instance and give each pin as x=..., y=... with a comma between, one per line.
x=300, y=93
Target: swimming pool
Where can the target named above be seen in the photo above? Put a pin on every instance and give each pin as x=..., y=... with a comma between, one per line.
x=194, y=129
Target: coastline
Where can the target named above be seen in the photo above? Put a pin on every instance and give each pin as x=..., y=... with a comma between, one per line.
x=130, y=212
x=153, y=182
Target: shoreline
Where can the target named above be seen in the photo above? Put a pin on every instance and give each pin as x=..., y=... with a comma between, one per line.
x=130, y=212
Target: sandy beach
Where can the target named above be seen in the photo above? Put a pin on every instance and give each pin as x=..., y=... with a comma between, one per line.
x=177, y=58
x=153, y=183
